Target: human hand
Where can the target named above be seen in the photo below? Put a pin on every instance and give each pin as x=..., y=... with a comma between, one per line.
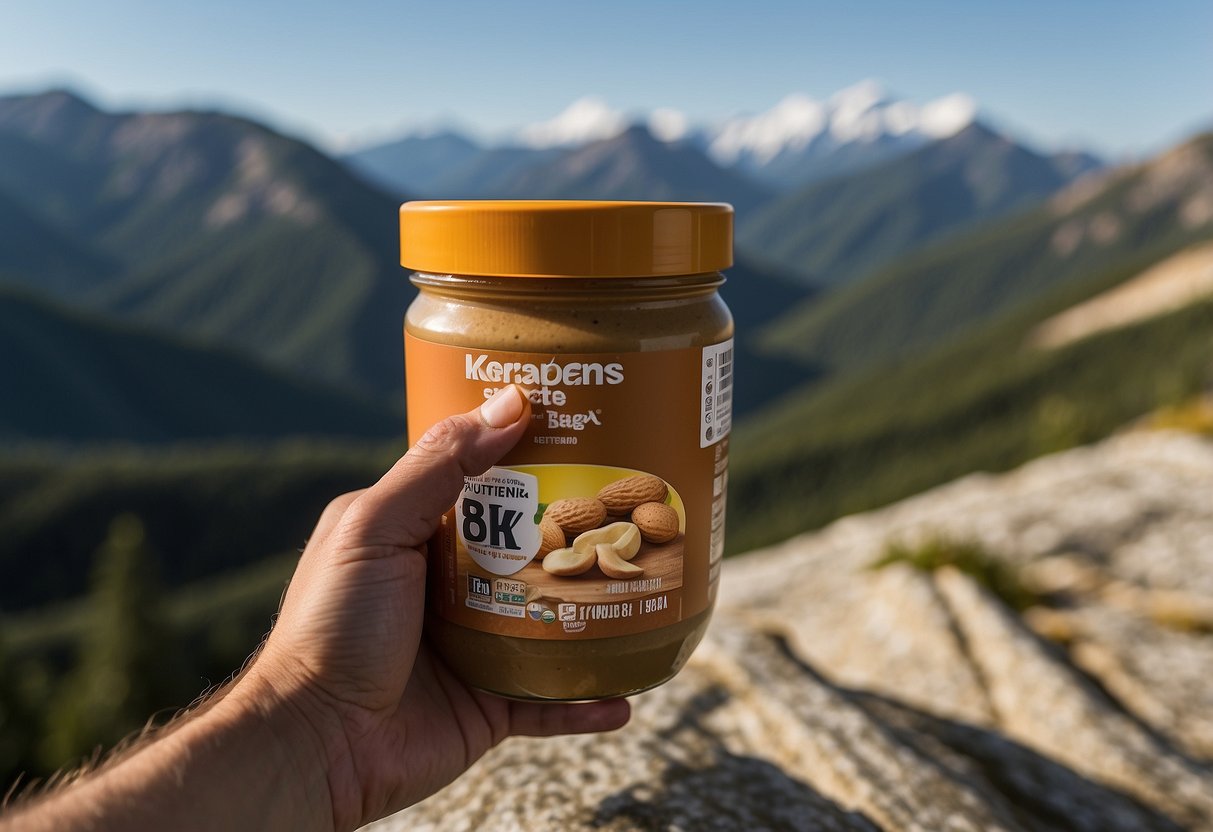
x=346, y=654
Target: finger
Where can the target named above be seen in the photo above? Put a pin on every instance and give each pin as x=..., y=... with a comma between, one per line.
x=541, y=719
x=404, y=507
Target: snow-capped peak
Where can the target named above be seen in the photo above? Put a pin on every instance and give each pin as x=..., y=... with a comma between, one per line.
x=947, y=116
x=585, y=120
x=858, y=112
x=860, y=97
x=793, y=122
x=863, y=113
x=799, y=139
x=668, y=125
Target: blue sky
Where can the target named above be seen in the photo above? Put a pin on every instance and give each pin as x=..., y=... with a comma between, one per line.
x=1121, y=77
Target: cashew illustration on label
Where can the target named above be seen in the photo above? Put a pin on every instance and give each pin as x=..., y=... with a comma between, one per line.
x=569, y=562
x=613, y=566
x=623, y=537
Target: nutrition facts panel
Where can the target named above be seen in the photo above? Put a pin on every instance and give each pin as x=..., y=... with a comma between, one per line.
x=716, y=393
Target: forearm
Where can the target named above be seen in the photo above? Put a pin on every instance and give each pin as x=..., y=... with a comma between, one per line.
x=247, y=761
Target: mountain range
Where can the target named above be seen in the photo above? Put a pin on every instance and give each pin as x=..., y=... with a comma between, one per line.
x=799, y=140
x=209, y=226
x=633, y=165
x=826, y=190
x=837, y=229
x=1126, y=218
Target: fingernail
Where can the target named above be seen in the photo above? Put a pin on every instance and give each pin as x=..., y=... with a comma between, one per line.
x=503, y=409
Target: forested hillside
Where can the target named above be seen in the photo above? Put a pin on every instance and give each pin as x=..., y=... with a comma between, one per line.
x=71, y=376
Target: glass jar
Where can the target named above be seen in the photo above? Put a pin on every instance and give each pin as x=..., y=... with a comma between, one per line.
x=585, y=564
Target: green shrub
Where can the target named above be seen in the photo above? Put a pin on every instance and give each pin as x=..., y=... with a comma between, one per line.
x=967, y=556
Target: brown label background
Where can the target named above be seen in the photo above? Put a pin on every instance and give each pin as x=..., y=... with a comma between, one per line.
x=650, y=422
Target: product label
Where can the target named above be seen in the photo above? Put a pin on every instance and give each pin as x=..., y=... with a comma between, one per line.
x=607, y=518
x=716, y=415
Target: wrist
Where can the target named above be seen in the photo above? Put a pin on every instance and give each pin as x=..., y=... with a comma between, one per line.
x=306, y=737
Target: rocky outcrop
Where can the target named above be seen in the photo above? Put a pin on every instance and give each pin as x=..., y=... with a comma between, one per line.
x=833, y=695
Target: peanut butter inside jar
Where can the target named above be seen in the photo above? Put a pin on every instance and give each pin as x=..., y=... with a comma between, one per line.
x=607, y=315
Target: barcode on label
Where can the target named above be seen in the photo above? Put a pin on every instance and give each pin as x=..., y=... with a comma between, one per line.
x=726, y=367
x=716, y=393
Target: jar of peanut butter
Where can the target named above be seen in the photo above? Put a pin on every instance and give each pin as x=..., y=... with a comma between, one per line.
x=585, y=564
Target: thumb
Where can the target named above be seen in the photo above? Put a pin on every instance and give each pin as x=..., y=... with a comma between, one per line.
x=403, y=509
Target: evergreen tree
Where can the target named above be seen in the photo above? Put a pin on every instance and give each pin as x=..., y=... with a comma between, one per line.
x=127, y=669
x=15, y=721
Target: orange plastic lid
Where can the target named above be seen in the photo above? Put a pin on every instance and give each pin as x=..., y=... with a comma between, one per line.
x=565, y=238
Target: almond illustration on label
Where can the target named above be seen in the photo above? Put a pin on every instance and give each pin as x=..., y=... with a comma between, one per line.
x=551, y=537
x=622, y=496
x=657, y=522
x=575, y=515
